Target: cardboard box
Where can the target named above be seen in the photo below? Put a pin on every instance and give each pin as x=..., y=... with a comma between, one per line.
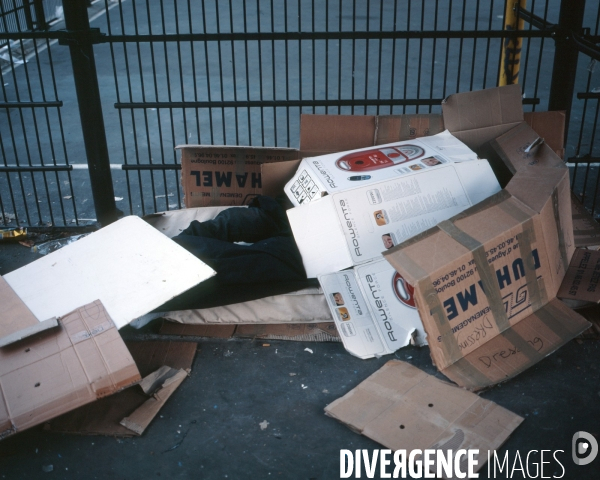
x=128, y=265
x=55, y=371
x=582, y=281
x=404, y=408
x=373, y=309
x=225, y=175
x=354, y=226
x=337, y=172
x=486, y=280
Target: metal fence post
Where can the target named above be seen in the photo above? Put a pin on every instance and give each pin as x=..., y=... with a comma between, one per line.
x=80, y=44
x=565, y=57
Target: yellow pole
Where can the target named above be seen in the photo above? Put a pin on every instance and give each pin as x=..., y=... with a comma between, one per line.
x=511, y=47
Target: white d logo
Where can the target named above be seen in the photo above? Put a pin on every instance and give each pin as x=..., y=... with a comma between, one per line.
x=588, y=448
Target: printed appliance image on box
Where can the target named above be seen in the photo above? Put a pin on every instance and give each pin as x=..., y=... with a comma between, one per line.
x=336, y=172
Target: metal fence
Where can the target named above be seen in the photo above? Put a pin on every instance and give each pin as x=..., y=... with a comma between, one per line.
x=173, y=72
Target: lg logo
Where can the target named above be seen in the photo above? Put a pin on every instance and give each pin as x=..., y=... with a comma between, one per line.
x=585, y=448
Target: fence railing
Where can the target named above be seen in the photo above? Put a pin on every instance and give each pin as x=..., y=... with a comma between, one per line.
x=172, y=72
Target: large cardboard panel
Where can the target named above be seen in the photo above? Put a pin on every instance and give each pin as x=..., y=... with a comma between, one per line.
x=551, y=127
x=128, y=265
x=404, y=408
x=58, y=370
x=225, y=175
x=354, y=226
x=480, y=116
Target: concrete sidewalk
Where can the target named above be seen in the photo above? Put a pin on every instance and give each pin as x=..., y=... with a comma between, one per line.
x=210, y=427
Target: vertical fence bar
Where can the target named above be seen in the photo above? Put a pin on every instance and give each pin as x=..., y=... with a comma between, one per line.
x=565, y=58
x=90, y=110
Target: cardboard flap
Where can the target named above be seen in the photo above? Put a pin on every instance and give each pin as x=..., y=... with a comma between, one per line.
x=321, y=134
x=480, y=116
x=276, y=175
x=535, y=186
x=519, y=347
x=404, y=408
x=14, y=314
x=28, y=331
x=396, y=128
x=582, y=281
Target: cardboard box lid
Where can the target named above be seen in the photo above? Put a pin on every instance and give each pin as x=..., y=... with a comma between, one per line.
x=404, y=408
x=480, y=116
x=59, y=370
x=582, y=281
x=129, y=265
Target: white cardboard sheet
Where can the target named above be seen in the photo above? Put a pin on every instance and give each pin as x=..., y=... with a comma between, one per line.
x=373, y=309
x=353, y=227
x=128, y=265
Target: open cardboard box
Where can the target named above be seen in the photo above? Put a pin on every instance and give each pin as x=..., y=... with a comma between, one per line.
x=486, y=280
x=480, y=119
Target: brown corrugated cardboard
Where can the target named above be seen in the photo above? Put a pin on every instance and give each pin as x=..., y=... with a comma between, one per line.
x=495, y=272
x=103, y=417
x=225, y=175
x=404, y=408
x=478, y=117
x=159, y=385
x=322, y=134
x=586, y=230
x=551, y=127
x=523, y=147
x=304, y=332
x=58, y=370
x=582, y=281
x=396, y=128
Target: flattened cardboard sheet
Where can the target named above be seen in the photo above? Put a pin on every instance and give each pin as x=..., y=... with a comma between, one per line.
x=301, y=332
x=59, y=370
x=130, y=266
x=582, y=281
x=104, y=416
x=404, y=408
